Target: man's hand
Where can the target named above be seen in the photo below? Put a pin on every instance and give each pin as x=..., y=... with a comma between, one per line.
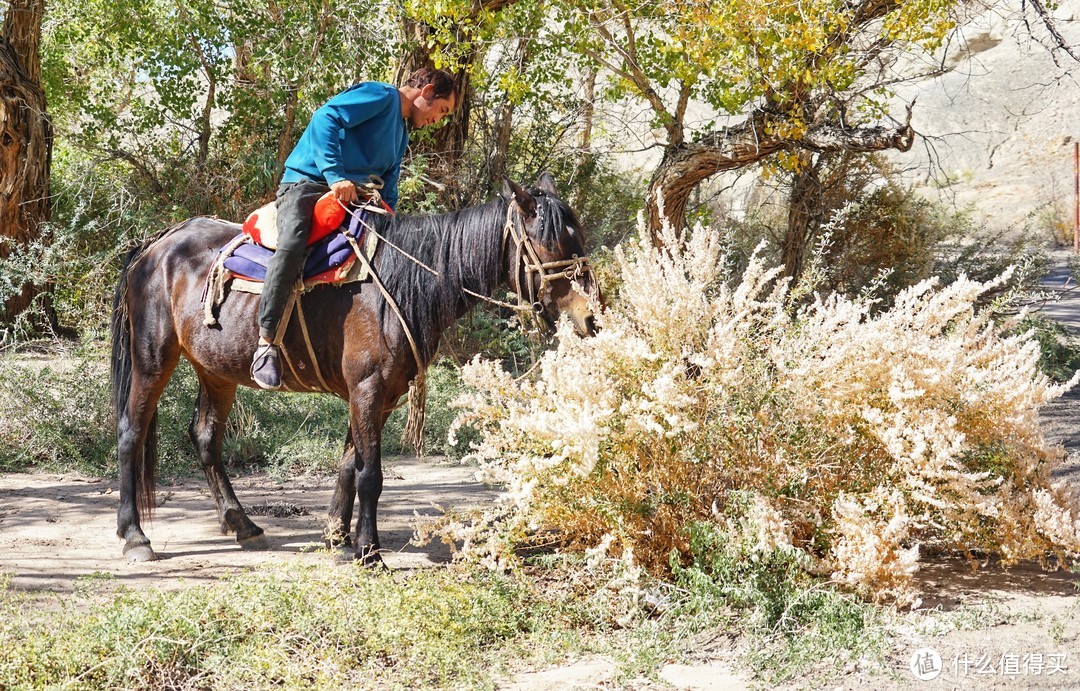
x=345, y=191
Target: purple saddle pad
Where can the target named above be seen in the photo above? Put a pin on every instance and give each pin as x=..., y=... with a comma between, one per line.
x=249, y=260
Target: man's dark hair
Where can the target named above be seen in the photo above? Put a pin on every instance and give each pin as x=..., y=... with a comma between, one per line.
x=443, y=81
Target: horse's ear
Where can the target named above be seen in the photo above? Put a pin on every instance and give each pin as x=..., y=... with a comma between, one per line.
x=546, y=183
x=524, y=200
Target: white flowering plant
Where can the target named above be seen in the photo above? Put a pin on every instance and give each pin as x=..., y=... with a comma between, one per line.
x=848, y=436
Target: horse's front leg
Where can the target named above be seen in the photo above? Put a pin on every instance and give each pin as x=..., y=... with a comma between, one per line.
x=207, y=433
x=339, y=515
x=365, y=420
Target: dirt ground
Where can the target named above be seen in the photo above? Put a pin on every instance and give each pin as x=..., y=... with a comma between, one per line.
x=55, y=529
x=1015, y=629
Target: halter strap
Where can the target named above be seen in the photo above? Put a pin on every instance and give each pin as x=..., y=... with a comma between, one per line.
x=530, y=269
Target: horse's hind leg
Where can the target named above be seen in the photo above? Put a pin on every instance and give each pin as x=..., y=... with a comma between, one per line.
x=136, y=451
x=207, y=432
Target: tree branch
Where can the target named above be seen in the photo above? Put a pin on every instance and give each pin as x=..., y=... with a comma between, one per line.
x=1051, y=26
x=138, y=164
x=749, y=142
x=861, y=139
x=635, y=74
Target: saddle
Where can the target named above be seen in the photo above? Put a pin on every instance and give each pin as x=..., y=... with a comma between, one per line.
x=336, y=237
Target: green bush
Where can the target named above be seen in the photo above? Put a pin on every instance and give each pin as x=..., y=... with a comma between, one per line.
x=1059, y=350
x=444, y=385
x=94, y=222
x=875, y=233
x=798, y=621
x=55, y=419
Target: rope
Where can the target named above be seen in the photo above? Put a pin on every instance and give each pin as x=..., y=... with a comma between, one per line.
x=215, y=281
x=493, y=301
x=374, y=232
x=307, y=342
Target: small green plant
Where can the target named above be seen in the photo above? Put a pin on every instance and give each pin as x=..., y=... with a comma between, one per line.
x=295, y=626
x=1059, y=350
x=1056, y=630
x=91, y=583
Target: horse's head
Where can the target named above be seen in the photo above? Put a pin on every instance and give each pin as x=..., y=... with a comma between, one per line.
x=545, y=257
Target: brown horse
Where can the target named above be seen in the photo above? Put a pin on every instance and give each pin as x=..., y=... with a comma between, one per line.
x=359, y=342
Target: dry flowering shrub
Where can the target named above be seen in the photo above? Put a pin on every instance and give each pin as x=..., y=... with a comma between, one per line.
x=856, y=435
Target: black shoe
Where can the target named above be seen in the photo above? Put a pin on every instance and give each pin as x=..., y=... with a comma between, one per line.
x=266, y=367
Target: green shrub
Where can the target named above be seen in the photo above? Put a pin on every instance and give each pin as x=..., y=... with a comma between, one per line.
x=290, y=627
x=444, y=385
x=55, y=419
x=55, y=415
x=1059, y=350
x=95, y=220
x=797, y=621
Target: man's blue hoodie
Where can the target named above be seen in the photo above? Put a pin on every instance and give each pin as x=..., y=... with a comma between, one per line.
x=359, y=132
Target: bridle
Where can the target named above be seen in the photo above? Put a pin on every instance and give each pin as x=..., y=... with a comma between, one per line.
x=532, y=273
x=533, y=276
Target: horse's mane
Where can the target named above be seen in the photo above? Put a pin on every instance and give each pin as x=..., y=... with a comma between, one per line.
x=464, y=247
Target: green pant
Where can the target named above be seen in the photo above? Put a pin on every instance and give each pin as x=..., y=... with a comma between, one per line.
x=295, y=205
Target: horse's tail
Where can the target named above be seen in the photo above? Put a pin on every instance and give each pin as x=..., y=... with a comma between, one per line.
x=120, y=326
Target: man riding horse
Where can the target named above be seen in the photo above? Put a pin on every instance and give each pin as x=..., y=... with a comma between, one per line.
x=361, y=132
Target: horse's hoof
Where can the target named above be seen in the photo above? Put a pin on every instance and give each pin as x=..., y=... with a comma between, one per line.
x=139, y=553
x=370, y=559
x=254, y=543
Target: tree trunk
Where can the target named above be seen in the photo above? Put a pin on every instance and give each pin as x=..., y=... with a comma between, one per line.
x=448, y=146
x=805, y=208
x=450, y=139
x=25, y=140
x=505, y=124
x=584, y=165
x=285, y=137
x=503, y=131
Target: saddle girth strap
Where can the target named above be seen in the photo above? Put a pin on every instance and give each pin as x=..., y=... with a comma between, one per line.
x=286, y=316
x=307, y=342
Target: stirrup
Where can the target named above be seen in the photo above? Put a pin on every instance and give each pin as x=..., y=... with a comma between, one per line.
x=266, y=367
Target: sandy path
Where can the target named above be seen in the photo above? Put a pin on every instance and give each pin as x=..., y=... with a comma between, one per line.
x=55, y=529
